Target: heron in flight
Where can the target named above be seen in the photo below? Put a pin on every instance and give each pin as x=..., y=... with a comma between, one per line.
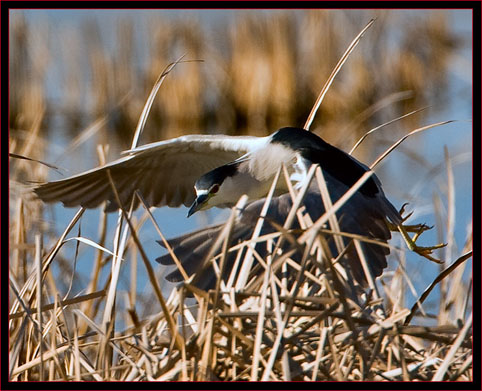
x=204, y=171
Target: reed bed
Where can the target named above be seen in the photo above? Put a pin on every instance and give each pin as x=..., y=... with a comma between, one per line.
x=290, y=321
x=284, y=319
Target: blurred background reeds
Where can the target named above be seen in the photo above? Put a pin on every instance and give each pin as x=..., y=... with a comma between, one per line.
x=80, y=80
x=260, y=71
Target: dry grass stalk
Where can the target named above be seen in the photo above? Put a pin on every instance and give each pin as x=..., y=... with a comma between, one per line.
x=335, y=71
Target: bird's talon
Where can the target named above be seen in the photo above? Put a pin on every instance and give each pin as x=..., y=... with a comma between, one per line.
x=418, y=228
x=407, y=217
x=402, y=209
x=427, y=251
x=436, y=247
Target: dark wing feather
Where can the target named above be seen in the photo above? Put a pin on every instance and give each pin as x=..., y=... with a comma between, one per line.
x=361, y=215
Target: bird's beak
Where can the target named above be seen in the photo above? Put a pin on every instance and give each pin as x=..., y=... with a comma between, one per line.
x=197, y=204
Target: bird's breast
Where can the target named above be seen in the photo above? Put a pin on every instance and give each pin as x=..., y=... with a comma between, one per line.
x=265, y=162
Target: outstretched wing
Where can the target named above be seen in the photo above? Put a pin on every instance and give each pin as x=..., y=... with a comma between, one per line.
x=163, y=172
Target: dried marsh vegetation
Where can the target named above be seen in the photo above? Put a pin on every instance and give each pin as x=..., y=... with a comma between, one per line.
x=291, y=320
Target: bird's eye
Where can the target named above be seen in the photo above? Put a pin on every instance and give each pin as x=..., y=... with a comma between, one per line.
x=214, y=189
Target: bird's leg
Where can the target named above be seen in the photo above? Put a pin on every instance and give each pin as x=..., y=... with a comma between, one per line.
x=419, y=229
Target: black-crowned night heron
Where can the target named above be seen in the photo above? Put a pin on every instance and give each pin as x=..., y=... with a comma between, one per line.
x=202, y=171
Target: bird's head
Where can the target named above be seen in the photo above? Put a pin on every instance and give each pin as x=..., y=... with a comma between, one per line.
x=202, y=199
x=208, y=188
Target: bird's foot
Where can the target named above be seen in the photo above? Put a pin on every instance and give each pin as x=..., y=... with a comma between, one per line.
x=411, y=242
x=425, y=251
x=418, y=228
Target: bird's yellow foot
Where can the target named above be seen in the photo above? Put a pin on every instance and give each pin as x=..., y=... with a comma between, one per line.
x=419, y=229
x=420, y=250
